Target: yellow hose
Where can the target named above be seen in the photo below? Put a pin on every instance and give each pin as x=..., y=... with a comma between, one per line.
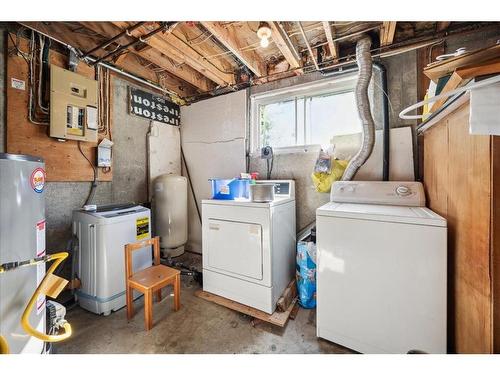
x=4, y=347
x=25, y=323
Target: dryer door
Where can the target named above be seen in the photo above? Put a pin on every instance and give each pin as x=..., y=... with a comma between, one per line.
x=235, y=247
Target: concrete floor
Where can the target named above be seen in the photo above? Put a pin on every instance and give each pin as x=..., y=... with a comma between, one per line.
x=198, y=327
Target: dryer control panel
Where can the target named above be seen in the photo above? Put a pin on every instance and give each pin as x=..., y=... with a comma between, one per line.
x=393, y=193
x=282, y=188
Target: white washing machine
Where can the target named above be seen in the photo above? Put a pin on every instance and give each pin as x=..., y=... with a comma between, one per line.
x=102, y=236
x=381, y=269
x=249, y=248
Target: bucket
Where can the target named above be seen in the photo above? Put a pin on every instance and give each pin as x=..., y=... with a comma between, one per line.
x=229, y=189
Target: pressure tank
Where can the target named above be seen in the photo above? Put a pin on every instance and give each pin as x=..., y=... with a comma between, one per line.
x=170, y=212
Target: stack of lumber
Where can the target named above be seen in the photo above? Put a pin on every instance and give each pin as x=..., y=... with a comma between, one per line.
x=461, y=69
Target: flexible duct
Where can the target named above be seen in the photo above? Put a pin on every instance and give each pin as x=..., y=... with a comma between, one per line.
x=364, y=61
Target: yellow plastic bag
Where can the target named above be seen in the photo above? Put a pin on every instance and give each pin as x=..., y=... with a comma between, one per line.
x=323, y=181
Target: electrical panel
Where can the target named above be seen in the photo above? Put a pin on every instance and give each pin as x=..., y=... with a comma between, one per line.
x=73, y=106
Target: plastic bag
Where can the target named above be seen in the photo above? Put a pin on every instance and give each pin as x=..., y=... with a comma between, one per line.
x=323, y=163
x=323, y=181
x=306, y=274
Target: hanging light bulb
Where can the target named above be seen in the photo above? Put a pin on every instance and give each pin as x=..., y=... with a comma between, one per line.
x=264, y=33
x=264, y=42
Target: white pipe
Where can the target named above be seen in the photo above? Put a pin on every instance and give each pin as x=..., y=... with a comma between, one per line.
x=308, y=45
x=364, y=61
x=403, y=114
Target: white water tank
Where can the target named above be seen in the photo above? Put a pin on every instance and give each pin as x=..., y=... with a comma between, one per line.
x=170, y=212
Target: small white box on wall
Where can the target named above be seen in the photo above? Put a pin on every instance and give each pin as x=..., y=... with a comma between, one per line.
x=104, y=153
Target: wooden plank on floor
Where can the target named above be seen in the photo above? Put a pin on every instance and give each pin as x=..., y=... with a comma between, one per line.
x=287, y=297
x=277, y=318
x=295, y=311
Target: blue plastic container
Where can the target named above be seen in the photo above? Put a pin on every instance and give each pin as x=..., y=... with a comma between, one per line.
x=230, y=189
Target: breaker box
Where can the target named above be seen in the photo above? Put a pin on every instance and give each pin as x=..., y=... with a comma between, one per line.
x=73, y=106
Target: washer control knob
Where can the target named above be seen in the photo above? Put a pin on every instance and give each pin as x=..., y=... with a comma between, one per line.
x=403, y=191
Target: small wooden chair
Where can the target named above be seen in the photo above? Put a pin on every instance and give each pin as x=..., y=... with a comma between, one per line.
x=149, y=280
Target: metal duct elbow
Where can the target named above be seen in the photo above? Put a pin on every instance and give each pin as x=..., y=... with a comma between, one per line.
x=364, y=61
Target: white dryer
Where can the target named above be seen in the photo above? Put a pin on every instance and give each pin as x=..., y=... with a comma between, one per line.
x=249, y=248
x=381, y=269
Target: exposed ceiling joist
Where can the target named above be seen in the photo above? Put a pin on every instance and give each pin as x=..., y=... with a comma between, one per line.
x=227, y=37
x=443, y=25
x=286, y=47
x=181, y=71
x=387, y=33
x=332, y=45
x=183, y=53
x=127, y=62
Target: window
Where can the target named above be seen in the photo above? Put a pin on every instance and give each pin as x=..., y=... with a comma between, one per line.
x=305, y=116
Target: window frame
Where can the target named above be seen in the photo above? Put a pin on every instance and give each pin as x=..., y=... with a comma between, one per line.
x=331, y=86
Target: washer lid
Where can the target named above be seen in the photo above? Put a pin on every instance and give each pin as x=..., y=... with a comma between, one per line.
x=395, y=214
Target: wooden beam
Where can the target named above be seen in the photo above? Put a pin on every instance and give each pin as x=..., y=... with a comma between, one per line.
x=227, y=36
x=443, y=25
x=184, y=72
x=62, y=32
x=284, y=44
x=387, y=33
x=331, y=44
x=170, y=45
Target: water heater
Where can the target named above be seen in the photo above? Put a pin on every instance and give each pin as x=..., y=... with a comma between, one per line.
x=22, y=237
x=170, y=212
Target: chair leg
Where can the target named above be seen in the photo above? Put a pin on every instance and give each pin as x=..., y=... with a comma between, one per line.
x=130, y=302
x=158, y=295
x=177, y=293
x=148, y=309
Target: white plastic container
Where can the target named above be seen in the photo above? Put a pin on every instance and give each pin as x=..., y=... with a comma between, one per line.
x=170, y=212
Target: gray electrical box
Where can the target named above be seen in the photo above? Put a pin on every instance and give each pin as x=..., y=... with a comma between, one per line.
x=73, y=106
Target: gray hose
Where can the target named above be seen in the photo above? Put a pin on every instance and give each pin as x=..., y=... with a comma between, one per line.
x=364, y=61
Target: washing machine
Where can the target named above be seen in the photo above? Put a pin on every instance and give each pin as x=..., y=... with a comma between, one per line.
x=249, y=248
x=102, y=235
x=381, y=269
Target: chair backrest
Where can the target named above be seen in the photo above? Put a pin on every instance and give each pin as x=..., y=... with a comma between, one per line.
x=131, y=247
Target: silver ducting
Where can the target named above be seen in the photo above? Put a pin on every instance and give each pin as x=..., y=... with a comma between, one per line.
x=364, y=61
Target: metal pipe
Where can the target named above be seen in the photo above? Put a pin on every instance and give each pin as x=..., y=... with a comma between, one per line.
x=107, y=65
x=116, y=37
x=142, y=39
x=137, y=79
x=338, y=39
x=290, y=43
x=308, y=45
x=385, y=126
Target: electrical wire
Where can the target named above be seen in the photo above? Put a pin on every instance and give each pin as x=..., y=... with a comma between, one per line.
x=269, y=165
x=40, y=75
x=90, y=197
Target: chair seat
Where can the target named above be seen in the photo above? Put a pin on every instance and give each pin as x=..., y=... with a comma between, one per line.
x=153, y=276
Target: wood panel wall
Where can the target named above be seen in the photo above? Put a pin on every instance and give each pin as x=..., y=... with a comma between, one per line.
x=63, y=161
x=460, y=176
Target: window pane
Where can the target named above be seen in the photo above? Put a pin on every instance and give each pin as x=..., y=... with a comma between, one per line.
x=329, y=116
x=301, y=134
x=277, y=124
